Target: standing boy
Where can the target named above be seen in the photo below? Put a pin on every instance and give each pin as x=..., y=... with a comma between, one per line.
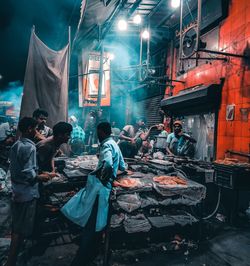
x=24, y=180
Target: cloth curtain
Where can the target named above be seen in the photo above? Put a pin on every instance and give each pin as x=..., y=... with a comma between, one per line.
x=46, y=81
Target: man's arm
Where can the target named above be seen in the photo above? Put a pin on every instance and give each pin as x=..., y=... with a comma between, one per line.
x=44, y=154
x=168, y=144
x=107, y=167
x=146, y=135
x=122, y=165
x=38, y=137
x=29, y=173
x=124, y=133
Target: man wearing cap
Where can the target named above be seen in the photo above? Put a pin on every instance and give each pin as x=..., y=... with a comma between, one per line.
x=77, y=136
x=179, y=143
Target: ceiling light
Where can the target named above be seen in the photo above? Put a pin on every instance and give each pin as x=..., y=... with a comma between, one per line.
x=137, y=19
x=111, y=56
x=145, y=34
x=175, y=3
x=122, y=25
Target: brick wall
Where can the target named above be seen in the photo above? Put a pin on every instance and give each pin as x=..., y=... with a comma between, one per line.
x=234, y=37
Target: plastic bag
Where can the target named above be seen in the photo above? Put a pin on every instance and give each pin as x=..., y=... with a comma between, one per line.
x=79, y=207
x=73, y=209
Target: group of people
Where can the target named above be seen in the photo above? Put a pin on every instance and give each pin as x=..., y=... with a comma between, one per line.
x=135, y=138
x=32, y=161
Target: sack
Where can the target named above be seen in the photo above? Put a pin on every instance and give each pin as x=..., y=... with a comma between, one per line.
x=79, y=207
x=73, y=209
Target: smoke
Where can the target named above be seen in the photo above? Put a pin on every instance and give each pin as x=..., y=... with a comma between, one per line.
x=13, y=93
x=51, y=19
x=126, y=50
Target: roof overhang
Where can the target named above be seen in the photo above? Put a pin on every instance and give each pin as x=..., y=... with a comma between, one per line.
x=203, y=98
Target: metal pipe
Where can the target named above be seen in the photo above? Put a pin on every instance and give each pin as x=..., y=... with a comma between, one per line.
x=181, y=46
x=205, y=58
x=171, y=59
x=239, y=153
x=198, y=23
x=223, y=53
x=148, y=47
x=140, y=63
x=100, y=83
x=122, y=68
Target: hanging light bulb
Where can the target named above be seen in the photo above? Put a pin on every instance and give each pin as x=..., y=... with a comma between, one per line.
x=111, y=56
x=122, y=25
x=175, y=3
x=145, y=34
x=137, y=19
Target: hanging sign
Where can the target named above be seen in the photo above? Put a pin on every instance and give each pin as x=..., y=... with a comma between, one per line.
x=90, y=81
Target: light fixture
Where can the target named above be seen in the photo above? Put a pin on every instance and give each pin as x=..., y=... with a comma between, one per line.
x=137, y=19
x=111, y=56
x=122, y=25
x=175, y=3
x=145, y=34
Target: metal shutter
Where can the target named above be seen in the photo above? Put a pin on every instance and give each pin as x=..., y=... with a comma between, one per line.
x=149, y=108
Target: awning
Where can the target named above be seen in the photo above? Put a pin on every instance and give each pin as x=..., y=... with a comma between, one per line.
x=94, y=13
x=203, y=98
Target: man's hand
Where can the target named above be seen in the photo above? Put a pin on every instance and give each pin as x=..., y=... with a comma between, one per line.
x=53, y=174
x=44, y=177
x=133, y=140
x=154, y=126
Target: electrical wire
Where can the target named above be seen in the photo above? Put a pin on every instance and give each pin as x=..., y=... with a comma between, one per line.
x=189, y=10
x=213, y=212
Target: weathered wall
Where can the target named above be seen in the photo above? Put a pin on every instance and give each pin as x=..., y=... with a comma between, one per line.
x=234, y=37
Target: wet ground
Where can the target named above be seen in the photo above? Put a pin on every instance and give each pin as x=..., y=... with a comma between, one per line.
x=226, y=246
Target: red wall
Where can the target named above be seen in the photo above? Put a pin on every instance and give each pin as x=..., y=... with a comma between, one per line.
x=234, y=35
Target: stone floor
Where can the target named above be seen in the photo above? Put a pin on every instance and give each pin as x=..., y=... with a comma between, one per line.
x=226, y=246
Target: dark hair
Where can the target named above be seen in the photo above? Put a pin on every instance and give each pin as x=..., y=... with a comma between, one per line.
x=105, y=127
x=39, y=112
x=137, y=119
x=25, y=123
x=62, y=128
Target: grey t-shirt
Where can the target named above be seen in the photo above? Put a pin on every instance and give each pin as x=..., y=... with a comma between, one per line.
x=23, y=170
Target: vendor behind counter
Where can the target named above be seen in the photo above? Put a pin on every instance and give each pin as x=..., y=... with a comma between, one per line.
x=180, y=143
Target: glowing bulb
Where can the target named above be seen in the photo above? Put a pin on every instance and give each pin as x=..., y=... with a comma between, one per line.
x=137, y=19
x=111, y=56
x=145, y=34
x=122, y=25
x=175, y=3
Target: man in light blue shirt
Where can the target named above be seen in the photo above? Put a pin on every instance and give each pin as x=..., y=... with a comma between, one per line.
x=96, y=199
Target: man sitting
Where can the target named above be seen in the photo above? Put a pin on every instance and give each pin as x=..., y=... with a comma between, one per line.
x=132, y=137
x=179, y=143
x=48, y=148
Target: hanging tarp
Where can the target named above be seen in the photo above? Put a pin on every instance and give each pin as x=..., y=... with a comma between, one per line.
x=46, y=81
